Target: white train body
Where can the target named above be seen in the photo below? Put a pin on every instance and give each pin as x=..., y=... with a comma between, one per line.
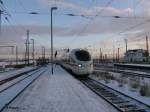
x=79, y=62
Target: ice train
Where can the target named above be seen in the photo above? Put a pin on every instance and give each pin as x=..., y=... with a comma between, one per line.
x=79, y=62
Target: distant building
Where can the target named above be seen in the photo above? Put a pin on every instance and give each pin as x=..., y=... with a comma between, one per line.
x=136, y=55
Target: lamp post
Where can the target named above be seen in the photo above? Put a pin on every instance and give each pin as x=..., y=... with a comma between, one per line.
x=0, y=21
x=53, y=8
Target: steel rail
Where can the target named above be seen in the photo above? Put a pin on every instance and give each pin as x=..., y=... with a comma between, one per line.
x=120, y=101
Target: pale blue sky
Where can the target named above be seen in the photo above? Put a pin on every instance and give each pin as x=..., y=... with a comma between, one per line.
x=73, y=31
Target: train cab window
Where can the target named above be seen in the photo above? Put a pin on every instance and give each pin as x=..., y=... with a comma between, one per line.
x=83, y=55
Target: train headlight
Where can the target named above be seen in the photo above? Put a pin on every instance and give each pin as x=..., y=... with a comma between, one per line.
x=79, y=65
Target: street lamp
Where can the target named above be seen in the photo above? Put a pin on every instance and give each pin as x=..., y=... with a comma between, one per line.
x=53, y=8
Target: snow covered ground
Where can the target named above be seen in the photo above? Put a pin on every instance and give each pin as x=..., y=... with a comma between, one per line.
x=58, y=93
x=125, y=70
x=8, y=84
x=5, y=75
x=7, y=95
x=125, y=88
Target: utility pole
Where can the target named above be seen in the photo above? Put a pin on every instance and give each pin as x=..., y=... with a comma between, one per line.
x=118, y=54
x=28, y=54
x=43, y=52
x=27, y=48
x=126, y=42
x=105, y=58
x=33, y=56
x=100, y=57
x=147, y=47
x=42, y=55
x=113, y=52
x=12, y=51
x=16, y=55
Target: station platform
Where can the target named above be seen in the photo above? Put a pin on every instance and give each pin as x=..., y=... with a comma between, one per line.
x=59, y=92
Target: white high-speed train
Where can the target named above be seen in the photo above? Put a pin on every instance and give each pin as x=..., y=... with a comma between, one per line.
x=79, y=62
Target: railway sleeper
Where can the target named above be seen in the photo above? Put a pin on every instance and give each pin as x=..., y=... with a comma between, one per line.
x=136, y=110
x=89, y=82
x=120, y=101
x=92, y=84
x=101, y=90
x=133, y=108
x=109, y=95
x=94, y=87
x=105, y=92
x=98, y=88
x=125, y=106
x=115, y=98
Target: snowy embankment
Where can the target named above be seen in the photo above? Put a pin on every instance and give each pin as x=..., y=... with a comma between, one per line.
x=125, y=89
x=9, y=94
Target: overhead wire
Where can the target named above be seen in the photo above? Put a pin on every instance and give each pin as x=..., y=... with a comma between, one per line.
x=73, y=40
x=138, y=3
x=99, y=13
x=93, y=18
x=11, y=25
x=21, y=4
x=10, y=17
x=136, y=25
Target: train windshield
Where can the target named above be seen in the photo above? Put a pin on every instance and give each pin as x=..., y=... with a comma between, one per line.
x=83, y=55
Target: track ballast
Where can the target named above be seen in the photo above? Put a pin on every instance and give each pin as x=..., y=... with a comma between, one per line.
x=120, y=101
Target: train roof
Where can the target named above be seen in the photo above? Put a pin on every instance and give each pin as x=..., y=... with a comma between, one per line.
x=78, y=49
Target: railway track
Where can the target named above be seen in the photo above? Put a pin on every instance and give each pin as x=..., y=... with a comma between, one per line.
x=120, y=101
x=3, y=81
x=17, y=80
x=128, y=73
x=18, y=86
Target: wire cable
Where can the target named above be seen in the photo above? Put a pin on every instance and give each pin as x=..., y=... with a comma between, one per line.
x=93, y=18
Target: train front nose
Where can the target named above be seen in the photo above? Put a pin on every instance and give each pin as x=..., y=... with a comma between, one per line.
x=85, y=68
